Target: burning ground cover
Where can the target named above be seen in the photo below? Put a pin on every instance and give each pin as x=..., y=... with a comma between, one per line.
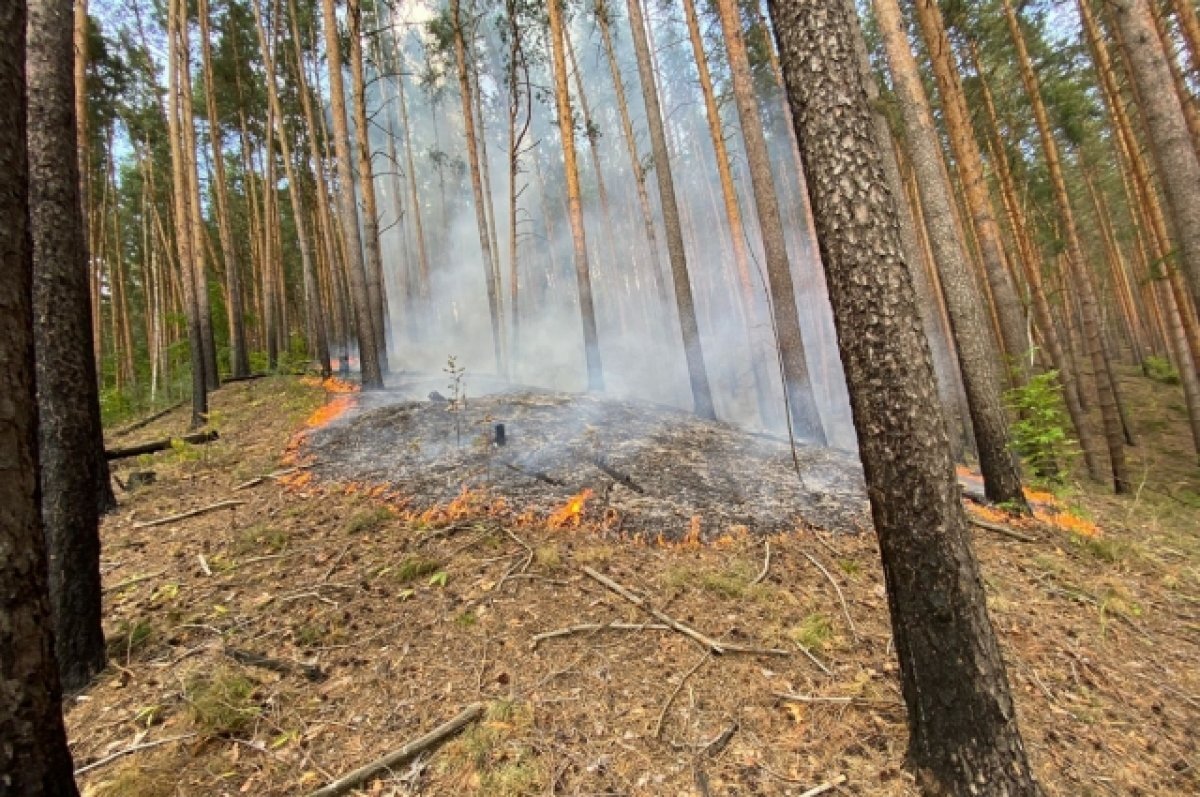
x=632, y=468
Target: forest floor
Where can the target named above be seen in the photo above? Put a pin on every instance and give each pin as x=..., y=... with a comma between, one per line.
x=372, y=626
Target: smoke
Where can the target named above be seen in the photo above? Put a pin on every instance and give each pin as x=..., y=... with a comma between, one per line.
x=640, y=344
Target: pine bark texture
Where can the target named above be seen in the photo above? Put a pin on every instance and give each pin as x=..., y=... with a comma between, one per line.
x=1171, y=143
x=802, y=403
x=72, y=443
x=978, y=354
x=677, y=255
x=963, y=733
x=566, y=126
x=34, y=759
x=368, y=355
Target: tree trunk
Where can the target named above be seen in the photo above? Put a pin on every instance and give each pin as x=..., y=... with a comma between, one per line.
x=963, y=736
x=802, y=405
x=183, y=237
x=239, y=359
x=1171, y=144
x=414, y=201
x=312, y=295
x=366, y=179
x=1114, y=434
x=759, y=356
x=977, y=353
x=70, y=437
x=485, y=241
x=566, y=126
x=34, y=759
x=368, y=354
x=967, y=158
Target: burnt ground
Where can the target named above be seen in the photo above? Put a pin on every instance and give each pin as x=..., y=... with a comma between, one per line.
x=653, y=471
x=379, y=622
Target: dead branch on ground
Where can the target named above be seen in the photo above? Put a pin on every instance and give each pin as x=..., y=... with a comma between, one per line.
x=586, y=628
x=198, y=438
x=265, y=477
x=189, y=514
x=837, y=589
x=1004, y=531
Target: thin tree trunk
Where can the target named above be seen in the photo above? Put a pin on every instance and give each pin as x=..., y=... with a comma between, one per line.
x=566, y=126
x=414, y=201
x=684, y=302
x=1009, y=311
x=1106, y=389
x=485, y=242
x=366, y=178
x=977, y=353
x=963, y=736
x=239, y=359
x=802, y=405
x=368, y=353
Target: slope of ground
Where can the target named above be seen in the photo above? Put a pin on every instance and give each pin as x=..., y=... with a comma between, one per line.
x=268, y=647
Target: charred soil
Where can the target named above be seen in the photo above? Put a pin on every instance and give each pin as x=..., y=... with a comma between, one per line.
x=272, y=645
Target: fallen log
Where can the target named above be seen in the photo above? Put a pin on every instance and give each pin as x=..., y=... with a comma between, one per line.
x=429, y=741
x=229, y=380
x=197, y=438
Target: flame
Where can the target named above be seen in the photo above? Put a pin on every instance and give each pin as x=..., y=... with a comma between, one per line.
x=571, y=514
x=331, y=384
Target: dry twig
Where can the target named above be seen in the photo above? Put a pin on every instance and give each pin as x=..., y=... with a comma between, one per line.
x=429, y=741
x=711, y=644
x=1002, y=530
x=592, y=627
x=265, y=477
x=844, y=701
x=189, y=514
x=108, y=759
x=662, y=715
x=766, y=565
x=837, y=589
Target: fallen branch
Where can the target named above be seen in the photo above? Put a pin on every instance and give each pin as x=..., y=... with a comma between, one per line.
x=1002, y=530
x=108, y=759
x=405, y=754
x=149, y=419
x=718, y=648
x=616, y=475
x=762, y=574
x=129, y=582
x=199, y=438
x=250, y=659
x=265, y=477
x=592, y=627
x=229, y=380
x=662, y=715
x=838, y=590
x=189, y=514
x=844, y=701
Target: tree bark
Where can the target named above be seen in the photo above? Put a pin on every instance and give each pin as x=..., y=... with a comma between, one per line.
x=802, y=405
x=977, y=353
x=34, y=759
x=368, y=353
x=566, y=126
x=71, y=440
x=1171, y=143
x=963, y=736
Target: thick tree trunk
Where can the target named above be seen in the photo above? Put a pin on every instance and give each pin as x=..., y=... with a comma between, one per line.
x=963, y=733
x=368, y=353
x=566, y=126
x=802, y=405
x=977, y=353
x=239, y=359
x=1009, y=311
x=72, y=445
x=1171, y=144
x=34, y=759
x=366, y=179
x=485, y=240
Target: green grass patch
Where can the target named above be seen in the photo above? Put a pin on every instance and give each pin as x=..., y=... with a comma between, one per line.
x=814, y=632
x=222, y=703
x=416, y=567
x=369, y=520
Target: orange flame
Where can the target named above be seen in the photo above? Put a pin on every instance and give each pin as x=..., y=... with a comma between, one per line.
x=572, y=513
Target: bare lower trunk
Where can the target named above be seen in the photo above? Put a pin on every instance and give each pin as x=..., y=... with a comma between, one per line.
x=963, y=736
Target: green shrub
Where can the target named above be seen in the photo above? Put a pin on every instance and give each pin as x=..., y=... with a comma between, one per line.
x=1160, y=370
x=222, y=704
x=1040, y=435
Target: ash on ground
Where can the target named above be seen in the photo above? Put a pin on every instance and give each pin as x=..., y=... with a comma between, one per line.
x=653, y=471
